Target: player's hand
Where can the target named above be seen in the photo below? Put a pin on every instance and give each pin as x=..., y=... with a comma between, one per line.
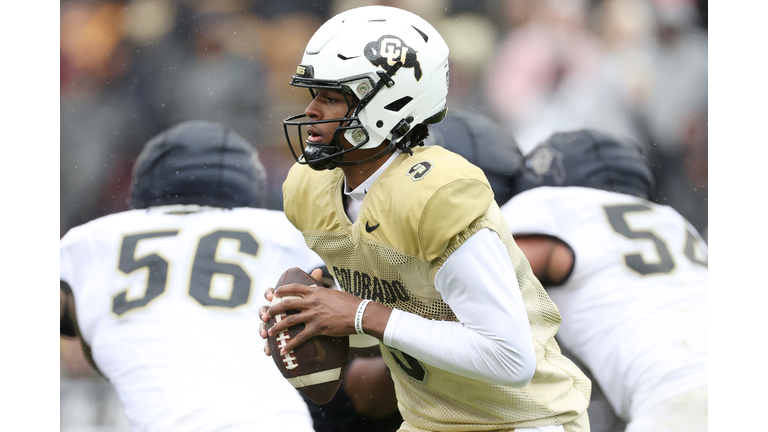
x=316, y=274
x=323, y=312
x=264, y=318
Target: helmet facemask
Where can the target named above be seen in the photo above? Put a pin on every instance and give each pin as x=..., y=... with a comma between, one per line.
x=328, y=156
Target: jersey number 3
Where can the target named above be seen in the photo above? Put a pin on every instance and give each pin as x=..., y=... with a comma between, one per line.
x=204, y=267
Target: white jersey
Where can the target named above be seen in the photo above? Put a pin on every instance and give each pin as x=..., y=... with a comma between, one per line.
x=169, y=306
x=634, y=308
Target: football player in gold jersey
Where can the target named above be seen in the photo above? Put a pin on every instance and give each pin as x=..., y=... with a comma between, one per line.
x=413, y=237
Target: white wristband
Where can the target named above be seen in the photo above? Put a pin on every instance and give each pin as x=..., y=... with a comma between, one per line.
x=359, y=316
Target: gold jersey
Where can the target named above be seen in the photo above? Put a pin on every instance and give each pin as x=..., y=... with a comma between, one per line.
x=420, y=210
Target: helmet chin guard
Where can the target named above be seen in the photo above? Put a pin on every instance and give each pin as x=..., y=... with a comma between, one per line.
x=392, y=68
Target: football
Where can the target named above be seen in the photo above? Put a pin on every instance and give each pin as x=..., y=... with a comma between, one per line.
x=315, y=368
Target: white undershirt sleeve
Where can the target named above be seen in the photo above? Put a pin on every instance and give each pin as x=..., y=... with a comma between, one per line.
x=492, y=341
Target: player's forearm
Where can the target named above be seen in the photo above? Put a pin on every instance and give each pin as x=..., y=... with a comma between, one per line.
x=492, y=340
x=454, y=347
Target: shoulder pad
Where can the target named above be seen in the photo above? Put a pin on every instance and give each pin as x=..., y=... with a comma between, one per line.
x=429, y=198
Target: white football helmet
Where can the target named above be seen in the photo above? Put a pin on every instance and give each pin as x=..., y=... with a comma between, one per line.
x=392, y=60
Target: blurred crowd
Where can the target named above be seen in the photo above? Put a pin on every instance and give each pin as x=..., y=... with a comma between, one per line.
x=132, y=68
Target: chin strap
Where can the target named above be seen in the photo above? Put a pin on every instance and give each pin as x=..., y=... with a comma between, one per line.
x=404, y=125
x=385, y=80
x=386, y=77
x=399, y=131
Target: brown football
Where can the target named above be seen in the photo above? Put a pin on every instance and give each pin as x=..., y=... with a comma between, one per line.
x=315, y=368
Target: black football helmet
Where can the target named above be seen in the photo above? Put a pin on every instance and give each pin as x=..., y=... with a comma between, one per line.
x=485, y=144
x=198, y=162
x=588, y=158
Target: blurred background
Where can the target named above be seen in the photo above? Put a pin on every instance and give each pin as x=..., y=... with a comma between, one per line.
x=131, y=68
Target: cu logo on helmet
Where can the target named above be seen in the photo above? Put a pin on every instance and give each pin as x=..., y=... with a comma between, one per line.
x=393, y=50
x=388, y=50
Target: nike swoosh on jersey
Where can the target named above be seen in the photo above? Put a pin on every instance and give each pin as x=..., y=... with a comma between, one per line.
x=371, y=228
